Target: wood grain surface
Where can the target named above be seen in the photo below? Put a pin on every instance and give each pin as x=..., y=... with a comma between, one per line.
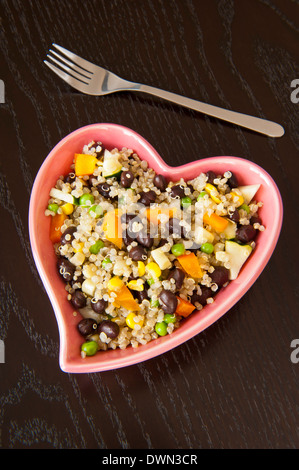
x=234, y=386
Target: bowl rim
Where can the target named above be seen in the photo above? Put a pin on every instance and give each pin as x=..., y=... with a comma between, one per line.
x=211, y=314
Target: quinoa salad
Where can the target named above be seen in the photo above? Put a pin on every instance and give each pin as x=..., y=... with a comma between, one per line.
x=139, y=253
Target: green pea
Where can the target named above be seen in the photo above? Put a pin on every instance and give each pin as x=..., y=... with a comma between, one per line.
x=207, y=248
x=150, y=281
x=106, y=262
x=186, y=202
x=96, y=211
x=85, y=198
x=155, y=303
x=94, y=249
x=178, y=249
x=161, y=328
x=202, y=194
x=245, y=208
x=169, y=318
x=53, y=207
x=89, y=348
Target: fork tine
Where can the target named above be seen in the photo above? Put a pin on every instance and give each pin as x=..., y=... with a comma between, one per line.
x=84, y=64
x=70, y=64
x=73, y=82
x=69, y=70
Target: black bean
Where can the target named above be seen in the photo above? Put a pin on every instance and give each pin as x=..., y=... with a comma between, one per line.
x=68, y=239
x=99, y=306
x=190, y=186
x=168, y=301
x=178, y=275
x=255, y=219
x=101, y=151
x=160, y=182
x=141, y=295
x=70, y=178
x=134, y=226
x=245, y=233
x=87, y=327
x=126, y=178
x=138, y=253
x=129, y=235
x=177, y=191
x=93, y=180
x=126, y=238
x=162, y=242
x=104, y=190
x=145, y=239
x=79, y=279
x=66, y=269
x=194, y=247
x=147, y=197
x=211, y=176
x=78, y=299
x=206, y=293
x=110, y=328
x=125, y=218
x=235, y=216
x=220, y=275
x=233, y=181
x=173, y=226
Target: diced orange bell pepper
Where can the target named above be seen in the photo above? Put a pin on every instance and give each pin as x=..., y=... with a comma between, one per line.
x=56, y=223
x=215, y=221
x=153, y=213
x=112, y=228
x=124, y=298
x=190, y=264
x=184, y=308
x=85, y=164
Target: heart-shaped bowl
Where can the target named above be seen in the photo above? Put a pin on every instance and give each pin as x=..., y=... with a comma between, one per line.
x=58, y=162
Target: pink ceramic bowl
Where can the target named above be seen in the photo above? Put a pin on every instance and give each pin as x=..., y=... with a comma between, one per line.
x=112, y=135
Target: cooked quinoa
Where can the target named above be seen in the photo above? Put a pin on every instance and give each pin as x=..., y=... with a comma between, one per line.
x=139, y=253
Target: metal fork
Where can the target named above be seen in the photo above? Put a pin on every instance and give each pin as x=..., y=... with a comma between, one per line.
x=94, y=80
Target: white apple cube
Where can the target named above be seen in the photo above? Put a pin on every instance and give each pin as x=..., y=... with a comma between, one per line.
x=161, y=259
x=201, y=235
x=238, y=254
x=248, y=192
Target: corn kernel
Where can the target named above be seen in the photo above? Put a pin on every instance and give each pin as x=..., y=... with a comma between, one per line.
x=115, y=283
x=141, y=268
x=212, y=192
x=67, y=208
x=78, y=247
x=237, y=198
x=130, y=320
x=135, y=285
x=153, y=269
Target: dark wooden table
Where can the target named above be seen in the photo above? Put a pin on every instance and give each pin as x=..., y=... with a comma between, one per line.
x=236, y=384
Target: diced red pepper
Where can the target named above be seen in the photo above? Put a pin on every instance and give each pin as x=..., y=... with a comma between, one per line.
x=56, y=223
x=184, y=308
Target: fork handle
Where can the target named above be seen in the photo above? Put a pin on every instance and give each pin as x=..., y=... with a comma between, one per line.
x=262, y=126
